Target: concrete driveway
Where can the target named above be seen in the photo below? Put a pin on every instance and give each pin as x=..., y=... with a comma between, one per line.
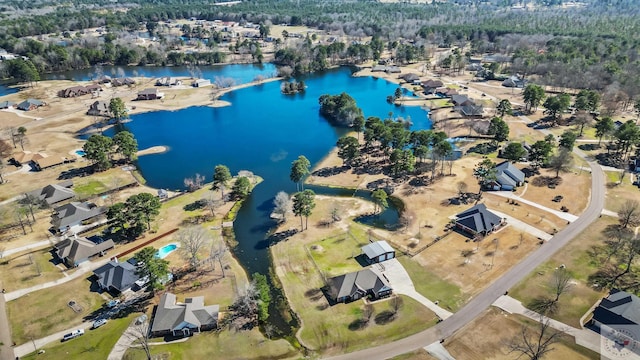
x=524, y=227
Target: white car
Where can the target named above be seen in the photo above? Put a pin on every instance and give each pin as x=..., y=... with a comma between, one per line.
x=74, y=334
x=98, y=323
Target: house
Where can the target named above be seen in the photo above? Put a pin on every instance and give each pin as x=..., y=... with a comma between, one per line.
x=73, y=214
x=122, y=81
x=446, y=92
x=26, y=157
x=49, y=161
x=514, y=82
x=6, y=104
x=430, y=86
x=356, y=285
x=378, y=251
x=393, y=70
x=168, y=81
x=30, y=104
x=93, y=88
x=73, y=91
x=478, y=220
x=461, y=100
x=508, y=177
x=116, y=277
x=76, y=250
x=619, y=308
x=55, y=193
x=99, y=108
x=173, y=318
x=201, y=83
x=410, y=77
x=104, y=79
x=379, y=68
x=471, y=111
x=150, y=94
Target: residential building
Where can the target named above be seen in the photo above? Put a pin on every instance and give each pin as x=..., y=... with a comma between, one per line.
x=99, y=108
x=508, y=177
x=50, y=161
x=150, y=94
x=357, y=285
x=54, y=193
x=25, y=157
x=72, y=215
x=183, y=319
x=410, y=77
x=378, y=251
x=201, y=83
x=619, y=308
x=117, y=277
x=74, y=251
x=7, y=104
x=73, y=91
x=471, y=111
x=30, y=104
x=430, y=86
x=478, y=220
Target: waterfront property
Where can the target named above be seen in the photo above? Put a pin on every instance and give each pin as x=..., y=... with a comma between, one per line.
x=183, y=319
x=7, y=104
x=54, y=193
x=21, y=158
x=30, y=104
x=50, y=161
x=79, y=90
x=378, y=251
x=150, y=94
x=478, y=220
x=508, y=177
x=201, y=83
x=99, y=108
x=74, y=251
x=117, y=277
x=70, y=216
x=357, y=285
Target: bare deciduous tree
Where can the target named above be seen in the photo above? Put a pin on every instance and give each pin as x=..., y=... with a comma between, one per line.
x=283, y=206
x=194, y=183
x=534, y=345
x=192, y=239
x=217, y=252
x=140, y=333
x=629, y=213
x=561, y=282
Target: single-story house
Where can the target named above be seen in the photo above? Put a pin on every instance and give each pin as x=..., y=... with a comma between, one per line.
x=116, y=277
x=73, y=91
x=30, y=104
x=379, y=68
x=93, y=88
x=150, y=94
x=173, y=318
x=508, y=177
x=393, y=70
x=514, y=82
x=73, y=214
x=356, y=285
x=446, y=92
x=26, y=157
x=478, y=220
x=104, y=79
x=619, y=308
x=168, y=81
x=430, y=86
x=99, y=108
x=76, y=250
x=378, y=251
x=50, y=161
x=122, y=81
x=410, y=77
x=201, y=83
x=6, y=104
x=55, y=193
x=461, y=100
x=471, y=111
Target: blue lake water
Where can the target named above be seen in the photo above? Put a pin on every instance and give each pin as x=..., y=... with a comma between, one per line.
x=5, y=90
x=263, y=132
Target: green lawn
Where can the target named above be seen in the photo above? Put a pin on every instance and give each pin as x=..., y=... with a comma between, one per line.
x=92, y=187
x=224, y=345
x=46, y=311
x=335, y=255
x=29, y=268
x=94, y=344
x=432, y=287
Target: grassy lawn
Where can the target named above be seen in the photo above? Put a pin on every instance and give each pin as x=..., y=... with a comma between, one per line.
x=224, y=345
x=414, y=355
x=432, y=287
x=439, y=103
x=27, y=269
x=91, y=187
x=48, y=310
x=93, y=344
x=581, y=296
x=335, y=254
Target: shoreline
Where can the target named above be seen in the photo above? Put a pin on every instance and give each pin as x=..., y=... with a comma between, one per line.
x=160, y=149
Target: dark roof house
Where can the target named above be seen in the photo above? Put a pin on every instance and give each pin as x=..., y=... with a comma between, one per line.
x=116, y=276
x=356, y=285
x=461, y=100
x=55, y=193
x=410, y=77
x=150, y=94
x=430, y=86
x=74, y=251
x=29, y=104
x=6, y=104
x=478, y=220
x=471, y=111
x=508, y=177
x=99, y=108
x=619, y=308
x=74, y=214
x=378, y=251
x=73, y=91
x=185, y=318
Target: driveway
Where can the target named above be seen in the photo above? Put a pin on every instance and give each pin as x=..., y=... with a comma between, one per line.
x=560, y=214
x=524, y=227
x=28, y=347
x=402, y=284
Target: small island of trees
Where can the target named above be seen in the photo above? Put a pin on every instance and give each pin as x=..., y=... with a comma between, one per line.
x=293, y=87
x=339, y=109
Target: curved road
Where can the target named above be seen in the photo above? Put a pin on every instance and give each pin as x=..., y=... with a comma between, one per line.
x=482, y=301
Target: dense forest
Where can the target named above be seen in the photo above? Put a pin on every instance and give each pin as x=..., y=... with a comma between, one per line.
x=596, y=49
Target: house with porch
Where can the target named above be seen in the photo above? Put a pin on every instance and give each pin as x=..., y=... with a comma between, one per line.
x=356, y=285
x=378, y=251
x=508, y=177
x=50, y=161
x=30, y=104
x=71, y=216
x=183, y=319
x=618, y=310
x=150, y=94
x=73, y=251
x=54, y=193
x=99, y=108
x=478, y=220
x=117, y=277
x=430, y=86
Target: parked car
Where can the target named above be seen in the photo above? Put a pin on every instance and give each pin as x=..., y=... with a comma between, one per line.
x=98, y=323
x=113, y=303
x=72, y=335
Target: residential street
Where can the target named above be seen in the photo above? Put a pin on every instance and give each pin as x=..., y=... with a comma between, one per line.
x=477, y=305
x=6, y=352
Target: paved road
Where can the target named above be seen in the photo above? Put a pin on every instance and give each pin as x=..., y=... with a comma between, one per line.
x=36, y=245
x=28, y=347
x=6, y=352
x=477, y=305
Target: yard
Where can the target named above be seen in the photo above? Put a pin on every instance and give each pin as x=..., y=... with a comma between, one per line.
x=49, y=310
x=485, y=338
x=580, y=298
x=93, y=344
x=29, y=268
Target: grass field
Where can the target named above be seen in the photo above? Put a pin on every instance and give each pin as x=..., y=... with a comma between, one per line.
x=92, y=187
x=29, y=268
x=49, y=311
x=94, y=344
x=335, y=255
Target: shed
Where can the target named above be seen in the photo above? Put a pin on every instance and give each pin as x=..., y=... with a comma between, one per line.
x=378, y=251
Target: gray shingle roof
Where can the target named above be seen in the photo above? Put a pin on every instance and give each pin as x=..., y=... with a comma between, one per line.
x=193, y=314
x=116, y=275
x=76, y=249
x=621, y=303
x=510, y=170
x=376, y=249
x=360, y=281
x=54, y=193
x=75, y=211
x=478, y=219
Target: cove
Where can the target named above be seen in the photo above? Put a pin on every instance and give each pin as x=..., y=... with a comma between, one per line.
x=262, y=131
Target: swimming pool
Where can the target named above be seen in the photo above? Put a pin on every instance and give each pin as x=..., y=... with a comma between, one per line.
x=166, y=250
x=80, y=153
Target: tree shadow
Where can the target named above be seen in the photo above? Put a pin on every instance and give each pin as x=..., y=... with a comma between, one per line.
x=358, y=324
x=385, y=317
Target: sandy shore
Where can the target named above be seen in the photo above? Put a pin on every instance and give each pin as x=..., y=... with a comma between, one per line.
x=153, y=150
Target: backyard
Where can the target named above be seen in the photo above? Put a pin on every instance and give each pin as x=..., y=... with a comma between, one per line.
x=29, y=268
